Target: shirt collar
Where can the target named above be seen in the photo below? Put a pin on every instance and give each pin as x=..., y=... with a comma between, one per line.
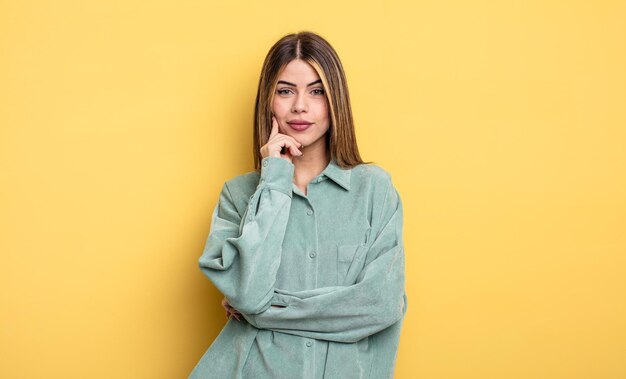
x=339, y=175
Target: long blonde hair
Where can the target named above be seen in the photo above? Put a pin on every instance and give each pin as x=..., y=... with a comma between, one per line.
x=316, y=51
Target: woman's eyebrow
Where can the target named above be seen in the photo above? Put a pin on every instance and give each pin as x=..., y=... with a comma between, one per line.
x=292, y=84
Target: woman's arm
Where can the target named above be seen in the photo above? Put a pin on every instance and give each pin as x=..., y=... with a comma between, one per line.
x=349, y=313
x=242, y=254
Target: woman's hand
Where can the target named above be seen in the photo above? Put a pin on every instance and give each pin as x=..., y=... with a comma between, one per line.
x=230, y=311
x=277, y=141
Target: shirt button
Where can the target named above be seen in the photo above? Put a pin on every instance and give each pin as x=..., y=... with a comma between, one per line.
x=309, y=212
x=265, y=163
x=312, y=254
x=309, y=343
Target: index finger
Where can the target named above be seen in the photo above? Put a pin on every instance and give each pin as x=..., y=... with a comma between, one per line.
x=274, y=127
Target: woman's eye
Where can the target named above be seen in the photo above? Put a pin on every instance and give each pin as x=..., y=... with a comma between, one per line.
x=283, y=91
x=318, y=91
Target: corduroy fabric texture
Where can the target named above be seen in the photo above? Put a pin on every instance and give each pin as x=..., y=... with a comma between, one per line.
x=319, y=278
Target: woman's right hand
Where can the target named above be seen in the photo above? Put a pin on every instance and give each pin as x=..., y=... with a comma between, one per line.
x=277, y=141
x=230, y=311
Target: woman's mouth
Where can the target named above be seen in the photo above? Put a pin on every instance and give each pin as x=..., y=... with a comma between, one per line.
x=299, y=125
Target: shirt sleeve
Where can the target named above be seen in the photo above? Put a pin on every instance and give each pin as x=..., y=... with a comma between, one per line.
x=349, y=313
x=242, y=253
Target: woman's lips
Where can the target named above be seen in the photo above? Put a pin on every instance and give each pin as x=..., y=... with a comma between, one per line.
x=299, y=126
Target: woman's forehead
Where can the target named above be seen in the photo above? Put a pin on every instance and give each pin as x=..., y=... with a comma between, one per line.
x=298, y=72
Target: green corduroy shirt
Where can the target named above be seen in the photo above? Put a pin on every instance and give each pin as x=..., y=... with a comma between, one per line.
x=318, y=278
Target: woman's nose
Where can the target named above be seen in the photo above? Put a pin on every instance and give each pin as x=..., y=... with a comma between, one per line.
x=299, y=104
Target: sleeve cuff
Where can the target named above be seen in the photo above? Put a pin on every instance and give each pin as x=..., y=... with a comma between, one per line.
x=269, y=314
x=277, y=173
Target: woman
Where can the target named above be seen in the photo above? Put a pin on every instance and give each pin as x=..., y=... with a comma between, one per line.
x=307, y=249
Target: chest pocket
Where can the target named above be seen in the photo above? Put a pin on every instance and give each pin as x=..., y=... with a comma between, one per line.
x=350, y=261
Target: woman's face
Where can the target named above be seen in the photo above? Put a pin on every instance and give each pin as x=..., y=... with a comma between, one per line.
x=300, y=105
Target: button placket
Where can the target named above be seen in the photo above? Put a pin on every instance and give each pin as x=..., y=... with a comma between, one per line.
x=311, y=249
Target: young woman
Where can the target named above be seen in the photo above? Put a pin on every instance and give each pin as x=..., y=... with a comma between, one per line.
x=307, y=249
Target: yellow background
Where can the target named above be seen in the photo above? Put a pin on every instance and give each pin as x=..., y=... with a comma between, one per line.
x=503, y=124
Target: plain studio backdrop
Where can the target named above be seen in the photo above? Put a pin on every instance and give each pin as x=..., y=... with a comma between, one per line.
x=503, y=124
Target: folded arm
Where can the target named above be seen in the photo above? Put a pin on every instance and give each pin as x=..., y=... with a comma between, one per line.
x=242, y=253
